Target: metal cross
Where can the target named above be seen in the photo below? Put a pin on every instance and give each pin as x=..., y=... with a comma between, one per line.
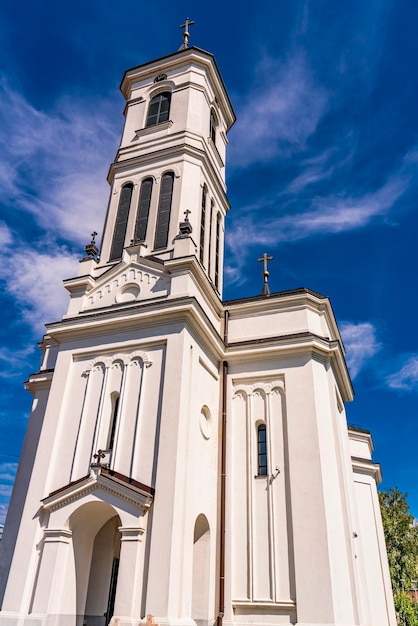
x=186, y=33
x=99, y=455
x=187, y=213
x=265, y=258
x=93, y=237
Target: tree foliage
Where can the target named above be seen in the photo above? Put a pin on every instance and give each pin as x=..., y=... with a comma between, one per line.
x=402, y=547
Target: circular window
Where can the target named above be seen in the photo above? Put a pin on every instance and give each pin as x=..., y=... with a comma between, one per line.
x=205, y=422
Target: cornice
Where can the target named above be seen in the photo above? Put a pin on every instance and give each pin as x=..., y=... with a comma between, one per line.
x=364, y=466
x=120, y=318
x=179, y=149
x=39, y=381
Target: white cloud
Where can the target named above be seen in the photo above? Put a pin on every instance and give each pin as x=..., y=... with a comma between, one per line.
x=54, y=164
x=14, y=361
x=406, y=378
x=7, y=476
x=361, y=344
x=281, y=112
x=36, y=283
x=327, y=216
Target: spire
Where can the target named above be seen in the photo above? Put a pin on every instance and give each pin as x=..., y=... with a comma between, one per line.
x=186, y=33
x=266, y=289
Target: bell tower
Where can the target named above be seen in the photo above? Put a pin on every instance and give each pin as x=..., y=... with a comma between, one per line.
x=170, y=166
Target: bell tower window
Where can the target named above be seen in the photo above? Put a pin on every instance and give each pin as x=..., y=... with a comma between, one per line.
x=164, y=210
x=143, y=209
x=112, y=432
x=202, y=224
x=217, y=249
x=212, y=127
x=119, y=232
x=159, y=109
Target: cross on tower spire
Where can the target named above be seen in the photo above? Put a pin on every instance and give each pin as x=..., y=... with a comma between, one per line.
x=186, y=33
x=265, y=258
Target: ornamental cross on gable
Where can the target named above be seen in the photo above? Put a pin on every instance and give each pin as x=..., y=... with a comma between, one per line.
x=265, y=258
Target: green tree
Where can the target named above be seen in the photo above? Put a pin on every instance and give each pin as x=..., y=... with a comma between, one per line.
x=402, y=546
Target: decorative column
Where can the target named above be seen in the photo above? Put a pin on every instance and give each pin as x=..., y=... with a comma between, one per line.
x=130, y=576
x=53, y=575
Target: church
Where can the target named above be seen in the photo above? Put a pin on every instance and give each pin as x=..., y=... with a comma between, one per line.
x=187, y=460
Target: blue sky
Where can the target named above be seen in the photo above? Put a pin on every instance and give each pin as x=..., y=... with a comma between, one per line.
x=322, y=174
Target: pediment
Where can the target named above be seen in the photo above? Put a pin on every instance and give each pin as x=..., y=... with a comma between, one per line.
x=135, y=281
x=101, y=483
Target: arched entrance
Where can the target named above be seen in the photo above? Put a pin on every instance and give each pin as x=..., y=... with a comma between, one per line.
x=96, y=542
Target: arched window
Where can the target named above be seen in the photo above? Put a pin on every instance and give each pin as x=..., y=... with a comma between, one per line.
x=202, y=224
x=119, y=233
x=217, y=248
x=212, y=204
x=212, y=127
x=159, y=109
x=262, y=450
x=143, y=209
x=113, y=421
x=164, y=210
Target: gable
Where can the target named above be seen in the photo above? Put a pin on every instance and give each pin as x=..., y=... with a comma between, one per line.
x=128, y=283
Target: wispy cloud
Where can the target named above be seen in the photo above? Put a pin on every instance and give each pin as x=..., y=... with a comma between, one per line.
x=37, y=283
x=54, y=163
x=361, y=345
x=406, y=378
x=280, y=113
x=7, y=475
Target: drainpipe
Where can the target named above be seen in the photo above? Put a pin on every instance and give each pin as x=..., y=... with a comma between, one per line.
x=223, y=484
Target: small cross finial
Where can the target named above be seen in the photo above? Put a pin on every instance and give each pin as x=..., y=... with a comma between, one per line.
x=186, y=214
x=265, y=258
x=93, y=237
x=99, y=456
x=186, y=33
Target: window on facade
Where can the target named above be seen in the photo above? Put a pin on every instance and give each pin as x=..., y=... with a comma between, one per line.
x=119, y=233
x=159, y=109
x=262, y=450
x=212, y=127
x=143, y=209
x=164, y=210
x=210, y=236
x=202, y=224
x=113, y=422
x=217, y=248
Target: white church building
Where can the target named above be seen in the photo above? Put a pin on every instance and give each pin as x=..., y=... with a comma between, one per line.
x=187, y=459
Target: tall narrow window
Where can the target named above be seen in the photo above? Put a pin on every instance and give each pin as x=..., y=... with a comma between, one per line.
x=212, y=127
x=119, y=233
x=202, y=224
x=113, y=423
x=217, y=248
x=262, y=450
x=212, y=204
x=164, y=210
x=159, y=109
x=143, y=209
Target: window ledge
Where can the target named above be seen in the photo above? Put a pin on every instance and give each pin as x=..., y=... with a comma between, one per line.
x=150, y=129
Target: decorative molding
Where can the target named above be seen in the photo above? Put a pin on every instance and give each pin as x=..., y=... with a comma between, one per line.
x=97, y=481
x=120, y=357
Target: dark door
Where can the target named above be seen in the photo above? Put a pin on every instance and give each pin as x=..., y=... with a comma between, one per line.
x=112, y=591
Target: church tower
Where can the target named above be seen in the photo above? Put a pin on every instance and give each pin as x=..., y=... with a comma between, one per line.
x=188, y=460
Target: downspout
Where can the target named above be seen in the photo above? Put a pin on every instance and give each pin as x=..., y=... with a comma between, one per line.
x=223, y=483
